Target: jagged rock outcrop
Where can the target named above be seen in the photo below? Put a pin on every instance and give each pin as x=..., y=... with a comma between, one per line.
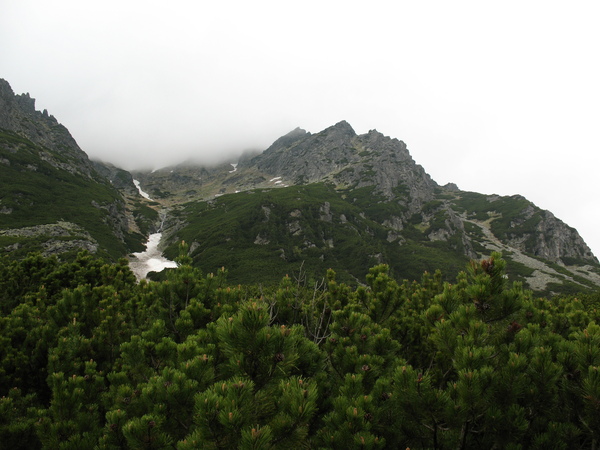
x=339, y=155
x=552, y=239
x=18, y=114
x=48, y=181
x=58, y=237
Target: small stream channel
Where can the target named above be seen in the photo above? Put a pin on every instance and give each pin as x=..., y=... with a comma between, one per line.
x=151, y=260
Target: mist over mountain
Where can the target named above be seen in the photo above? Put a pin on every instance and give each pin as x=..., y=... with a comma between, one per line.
x=347, y=201
x=309, y=202
x=52, y=198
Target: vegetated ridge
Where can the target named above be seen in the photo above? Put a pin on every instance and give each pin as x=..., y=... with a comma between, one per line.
x=347, y=201
x=309, y=202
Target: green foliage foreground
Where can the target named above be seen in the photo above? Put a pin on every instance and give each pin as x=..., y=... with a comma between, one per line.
x=92, y=359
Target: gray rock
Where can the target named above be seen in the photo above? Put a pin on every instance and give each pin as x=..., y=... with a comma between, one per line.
x=18, y=114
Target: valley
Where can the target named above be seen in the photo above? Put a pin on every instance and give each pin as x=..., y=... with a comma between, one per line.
x=333, y=199
x=324, y=293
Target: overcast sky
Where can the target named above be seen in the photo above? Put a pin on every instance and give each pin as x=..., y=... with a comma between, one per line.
x=498, y=97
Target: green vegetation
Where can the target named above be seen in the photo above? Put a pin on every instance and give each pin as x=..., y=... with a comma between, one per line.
x=372, y=204
x=144, y=216
x=91, y=359
x=273, y=232
x=518, y=269
x=36, y=192
x=507, y=214
x=157, y=193
x=262, y=235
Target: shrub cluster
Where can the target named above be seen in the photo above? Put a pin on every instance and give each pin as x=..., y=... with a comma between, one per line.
x=89, y=358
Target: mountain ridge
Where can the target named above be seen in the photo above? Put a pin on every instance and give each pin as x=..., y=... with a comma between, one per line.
x=378, y=174
x=308, y=200
x=18, y=114
x=52, y=199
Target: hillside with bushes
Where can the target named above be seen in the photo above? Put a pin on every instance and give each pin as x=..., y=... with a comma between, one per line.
x=90, y=358
x=333, y=199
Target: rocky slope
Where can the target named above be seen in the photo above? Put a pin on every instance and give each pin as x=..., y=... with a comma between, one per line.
x=52, y=198
x=339, y=155
x=18, y=114
x=310, y=201
x=377, y=174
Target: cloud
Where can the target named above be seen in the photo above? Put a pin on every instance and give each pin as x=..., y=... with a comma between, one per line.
x=499, y=98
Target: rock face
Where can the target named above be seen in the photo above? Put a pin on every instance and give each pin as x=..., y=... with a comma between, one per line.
x=119, y=178
x=53, y=199
x=553, y=240
x=18, y=114
x=339, y=155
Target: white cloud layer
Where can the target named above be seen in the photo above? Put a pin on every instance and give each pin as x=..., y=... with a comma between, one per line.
x=497, y=97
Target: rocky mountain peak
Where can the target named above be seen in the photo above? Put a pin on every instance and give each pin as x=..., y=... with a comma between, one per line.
x=8, y=100
x=288, y=139
x=18, y=115
x=26, y=103
x=339, y=156
x=296, y=133
x=7, y=103
x=342, y=128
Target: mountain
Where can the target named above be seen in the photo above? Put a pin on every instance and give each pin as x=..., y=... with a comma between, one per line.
x=346, y=201
x=309, y=202
x=52, y=198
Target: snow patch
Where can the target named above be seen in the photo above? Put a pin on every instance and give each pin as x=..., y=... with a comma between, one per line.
x=150, y=260
x=234, y=167
x=142, y=193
